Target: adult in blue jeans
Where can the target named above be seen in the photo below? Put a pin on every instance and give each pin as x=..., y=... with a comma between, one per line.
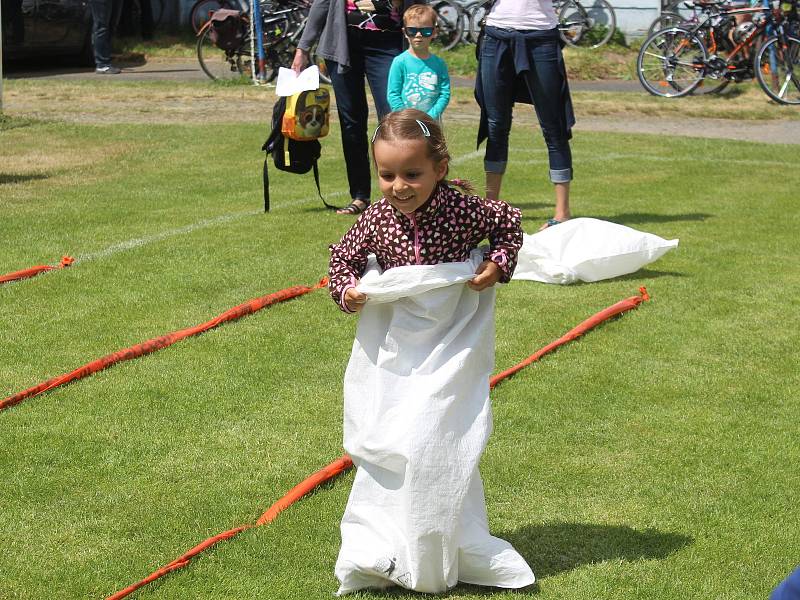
x=520, y=60
x=102, y=11
x=358, y=40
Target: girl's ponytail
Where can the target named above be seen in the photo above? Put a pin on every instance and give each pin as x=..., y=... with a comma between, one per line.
x=462, y=184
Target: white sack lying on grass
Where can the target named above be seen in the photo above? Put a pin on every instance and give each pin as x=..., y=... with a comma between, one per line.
x=587, y=250
x=416, y=421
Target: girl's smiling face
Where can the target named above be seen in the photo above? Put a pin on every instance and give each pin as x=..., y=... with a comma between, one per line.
x=406, y=174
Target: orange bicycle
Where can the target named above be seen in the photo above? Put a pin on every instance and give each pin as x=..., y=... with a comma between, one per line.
x=675, y=61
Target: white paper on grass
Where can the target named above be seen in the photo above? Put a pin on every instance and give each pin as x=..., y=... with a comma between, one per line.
x=587, y=250
x=416, y=421
x=290, y=83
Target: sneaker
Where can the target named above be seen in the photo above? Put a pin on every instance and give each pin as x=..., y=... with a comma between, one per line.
x=109, y=70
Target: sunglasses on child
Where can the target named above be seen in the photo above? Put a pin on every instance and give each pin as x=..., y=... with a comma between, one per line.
x=425, y=31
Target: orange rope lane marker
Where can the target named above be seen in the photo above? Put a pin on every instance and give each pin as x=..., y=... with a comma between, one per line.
x=590, y=323
x=306, y=486
x=158, y=343
x=344, y=463
x=33, y=271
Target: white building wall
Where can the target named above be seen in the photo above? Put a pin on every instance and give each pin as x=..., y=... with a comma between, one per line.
x=634, y=17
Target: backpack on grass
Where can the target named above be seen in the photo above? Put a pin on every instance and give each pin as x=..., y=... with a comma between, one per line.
x=297, y=124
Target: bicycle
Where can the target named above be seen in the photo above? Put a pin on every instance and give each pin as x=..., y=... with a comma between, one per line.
x=201, y=10
x=450, y=21
x=667, y=19
x=675, y=61
x=475, y=11
x=581, y=23
x=777, y=61
x=588, y=23
x=281, y=28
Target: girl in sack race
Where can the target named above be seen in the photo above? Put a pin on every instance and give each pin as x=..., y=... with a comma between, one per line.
x=416, y=392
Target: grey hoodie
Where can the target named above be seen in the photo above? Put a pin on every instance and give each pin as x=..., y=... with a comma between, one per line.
x=327, y=22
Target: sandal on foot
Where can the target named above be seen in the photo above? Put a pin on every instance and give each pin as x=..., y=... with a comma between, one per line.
x=550, y=223
x=353, y=208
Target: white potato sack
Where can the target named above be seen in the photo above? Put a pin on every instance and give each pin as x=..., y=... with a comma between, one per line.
x=587, y=249
x=417, y=418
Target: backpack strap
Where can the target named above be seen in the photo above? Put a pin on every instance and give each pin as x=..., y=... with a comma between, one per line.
x=266, y=185
x=277, y=114
x=319, y=191
x=274, y=134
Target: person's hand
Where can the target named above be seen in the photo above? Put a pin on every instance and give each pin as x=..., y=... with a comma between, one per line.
x=365, y=6
x=300, y=60
x=354, y=300
x=486, y=275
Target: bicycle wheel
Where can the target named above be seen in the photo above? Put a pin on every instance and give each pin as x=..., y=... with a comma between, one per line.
x=671, y=63
x=777, y=68
x=275, y=29
x=222, y=64
x=602, y=23
x=476, y=13
x=465, y=24
x=665, y=20
x=588, y=24
x=573, y=22
x=450, y=22
x=201, y=13
x=281, y=54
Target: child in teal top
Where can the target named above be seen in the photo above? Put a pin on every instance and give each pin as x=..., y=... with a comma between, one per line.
x=417, y=78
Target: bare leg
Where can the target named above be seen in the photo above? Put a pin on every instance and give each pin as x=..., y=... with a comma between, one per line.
x=562, y=202
x=562, y=212
x=493, y=181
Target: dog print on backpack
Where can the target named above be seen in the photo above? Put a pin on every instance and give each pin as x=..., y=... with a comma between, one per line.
x=307, y=115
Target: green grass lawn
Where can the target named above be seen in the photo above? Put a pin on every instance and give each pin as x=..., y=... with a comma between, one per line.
x=611, y=61
x=656, y=458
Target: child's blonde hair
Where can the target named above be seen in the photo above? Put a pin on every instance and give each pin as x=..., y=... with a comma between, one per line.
x=419, y=12
x=413, y=124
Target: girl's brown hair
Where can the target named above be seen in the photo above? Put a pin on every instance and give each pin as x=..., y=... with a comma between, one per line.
x=413, y=124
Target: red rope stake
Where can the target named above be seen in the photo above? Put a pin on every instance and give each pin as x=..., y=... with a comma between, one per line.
x=590, y=323
x=158, y=343
x=306, y=486
x=345, y=462
x=33, y=271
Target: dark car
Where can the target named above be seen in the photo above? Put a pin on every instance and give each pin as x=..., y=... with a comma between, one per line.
x=54, y=28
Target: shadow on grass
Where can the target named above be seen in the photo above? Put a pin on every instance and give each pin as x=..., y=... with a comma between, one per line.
x=9, y=178
x=530, y=206
x=7, y=123
x=636, y=276
x=730, y=92
x=461, y=590
x=636, y=218
x=552, y=548
x=131, y=59
x=35, y=67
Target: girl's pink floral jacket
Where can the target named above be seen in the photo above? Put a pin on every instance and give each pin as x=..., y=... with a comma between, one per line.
x=445, y=229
